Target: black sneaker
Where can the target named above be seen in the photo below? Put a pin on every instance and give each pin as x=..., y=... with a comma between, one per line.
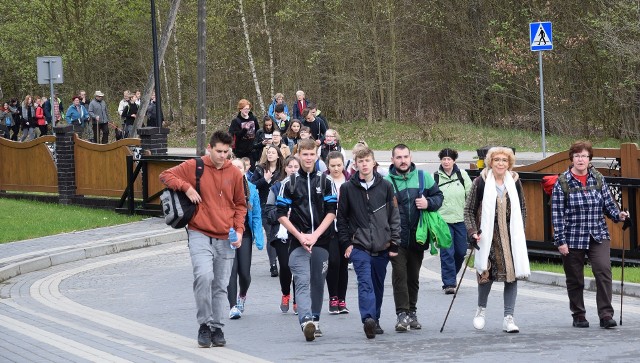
x=413, y=321
x=274, y=270
x=204, y=336
x=370, y=328
x=378, y=328
x=402, y=323
x=580, y=322
x=217, y=338
x=608, y=323
x=334, y=308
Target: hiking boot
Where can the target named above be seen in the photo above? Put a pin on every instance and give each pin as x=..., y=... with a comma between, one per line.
x=318, y=332
x=284, y=303
x=370, y=328
x=580, y=322
x=204, y=336
x=334, y=308
x=295, y=308
x=608, y=323
x=217, y=338
x=274, y=270
x=508, y=325
x=378, y=328
x=235, y=313
x=342, y=307
x=240, y=303
x=309, y=330
x=449, y=290
x=402, y=324
x=478, y=320
x=413, y=321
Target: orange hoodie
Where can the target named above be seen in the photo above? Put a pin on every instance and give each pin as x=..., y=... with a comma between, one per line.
x=222, y=190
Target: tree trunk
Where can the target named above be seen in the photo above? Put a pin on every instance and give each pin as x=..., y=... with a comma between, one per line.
x=252, y=66
x=148, y=88
x=391, y=95
x=269, y=40
x=178, y=77
x=166, y=79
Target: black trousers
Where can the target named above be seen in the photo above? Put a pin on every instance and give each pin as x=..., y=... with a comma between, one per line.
x=599, y=255
x=104, y=132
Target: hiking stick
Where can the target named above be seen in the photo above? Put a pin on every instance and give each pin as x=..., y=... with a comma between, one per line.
x=474, y=244
x=625, y=225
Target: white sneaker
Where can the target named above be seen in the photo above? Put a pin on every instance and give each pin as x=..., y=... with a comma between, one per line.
x=235, y=313
x=478, y=320
x=318, y=332
x=508, y=325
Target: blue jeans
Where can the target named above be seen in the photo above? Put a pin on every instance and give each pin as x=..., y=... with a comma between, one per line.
x=451, y=258
x=371, y=272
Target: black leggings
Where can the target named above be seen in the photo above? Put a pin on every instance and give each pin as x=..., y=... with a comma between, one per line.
x=282, y=250
x=240, y=272
x=338, y=274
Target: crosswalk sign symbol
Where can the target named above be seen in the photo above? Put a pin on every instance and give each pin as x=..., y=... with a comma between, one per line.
x=540, y=37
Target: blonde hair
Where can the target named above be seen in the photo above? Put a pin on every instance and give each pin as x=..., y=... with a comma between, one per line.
x=497, y=150
x=335, y=132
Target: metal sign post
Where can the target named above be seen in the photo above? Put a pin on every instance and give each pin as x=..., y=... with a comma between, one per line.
x=50, y=71
x=540, y=39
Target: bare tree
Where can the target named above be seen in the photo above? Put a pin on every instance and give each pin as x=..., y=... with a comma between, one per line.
x=252, y=65
x=270, y=42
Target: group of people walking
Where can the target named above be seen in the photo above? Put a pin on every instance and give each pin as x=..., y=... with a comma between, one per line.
x=319, y=213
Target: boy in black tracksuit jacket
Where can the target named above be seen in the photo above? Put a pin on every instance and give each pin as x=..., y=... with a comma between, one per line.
x=369, y=231
x=311, y=196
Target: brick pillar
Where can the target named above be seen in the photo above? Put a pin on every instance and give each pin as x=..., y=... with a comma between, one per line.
x=153, y=140
x=65, y=161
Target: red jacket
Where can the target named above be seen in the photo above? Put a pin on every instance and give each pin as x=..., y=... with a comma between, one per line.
x=40, y=116
x=222, y=191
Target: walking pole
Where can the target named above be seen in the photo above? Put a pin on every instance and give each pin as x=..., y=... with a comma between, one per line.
x=625, y=226
x=475, y=246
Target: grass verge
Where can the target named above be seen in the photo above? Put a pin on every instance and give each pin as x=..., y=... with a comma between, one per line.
x=31, y=219
x=384, y=135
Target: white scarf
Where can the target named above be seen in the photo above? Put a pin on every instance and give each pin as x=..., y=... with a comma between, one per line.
x=516, y=228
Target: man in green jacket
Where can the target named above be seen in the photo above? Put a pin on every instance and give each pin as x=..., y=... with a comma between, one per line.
x=413, y=196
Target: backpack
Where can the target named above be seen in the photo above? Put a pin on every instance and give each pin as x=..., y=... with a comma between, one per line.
x=176, y=206
x=436, y=177
x=550, y=180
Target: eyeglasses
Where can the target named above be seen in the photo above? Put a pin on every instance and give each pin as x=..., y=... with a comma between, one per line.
x=576, y=156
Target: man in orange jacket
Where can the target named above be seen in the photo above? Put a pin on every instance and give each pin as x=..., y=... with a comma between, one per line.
x=221, y=206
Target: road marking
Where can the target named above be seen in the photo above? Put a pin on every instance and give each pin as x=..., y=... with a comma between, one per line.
x=92, y=331
x=67, y=345
x=47, y=292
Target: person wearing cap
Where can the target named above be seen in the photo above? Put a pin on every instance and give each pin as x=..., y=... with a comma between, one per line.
x=455, y=184
x=99, y=117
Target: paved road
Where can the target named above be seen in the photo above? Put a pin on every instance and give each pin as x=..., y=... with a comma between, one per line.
x=138, y=306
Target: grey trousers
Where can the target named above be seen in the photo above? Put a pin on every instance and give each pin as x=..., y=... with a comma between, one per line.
x=211, y=259
x=510, y=294
x=309, y=271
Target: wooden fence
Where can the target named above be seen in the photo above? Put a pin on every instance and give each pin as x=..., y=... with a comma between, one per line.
x=28, y=166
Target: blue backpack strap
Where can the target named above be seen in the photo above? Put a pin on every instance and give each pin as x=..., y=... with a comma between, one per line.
x=421, y=181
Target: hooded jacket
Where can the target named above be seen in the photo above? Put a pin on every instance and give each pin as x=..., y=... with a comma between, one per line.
x=407, y=188
x=222, y=190
x=244, y=131
x=309, y=204
x=368, y=218
x=454, y=192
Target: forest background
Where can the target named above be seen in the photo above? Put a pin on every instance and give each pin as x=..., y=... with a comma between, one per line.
x=406, y=61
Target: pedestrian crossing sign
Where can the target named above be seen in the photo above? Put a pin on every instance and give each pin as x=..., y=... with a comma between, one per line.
x=540, y=36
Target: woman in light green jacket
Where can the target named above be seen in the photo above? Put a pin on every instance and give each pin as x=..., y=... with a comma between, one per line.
x=455, y=185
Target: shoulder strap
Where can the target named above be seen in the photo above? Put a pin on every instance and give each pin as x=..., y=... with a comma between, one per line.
x=459, y=173
x=420, y=181
x=292, y=183
x=199, y=171
x=436, y=177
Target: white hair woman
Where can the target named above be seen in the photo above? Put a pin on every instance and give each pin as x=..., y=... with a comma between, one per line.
x=495, y=216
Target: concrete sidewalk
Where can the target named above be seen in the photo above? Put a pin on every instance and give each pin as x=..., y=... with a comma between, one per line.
x=40, y=253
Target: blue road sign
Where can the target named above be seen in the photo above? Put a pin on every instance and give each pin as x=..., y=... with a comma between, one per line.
x=540, y=37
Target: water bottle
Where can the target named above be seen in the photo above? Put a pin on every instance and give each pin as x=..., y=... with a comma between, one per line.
x=233, y=237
